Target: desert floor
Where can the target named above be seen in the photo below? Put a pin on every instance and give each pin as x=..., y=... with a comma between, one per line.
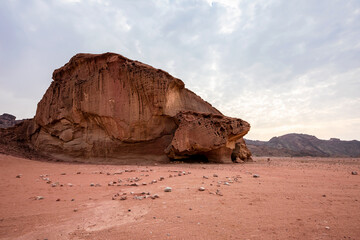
x=293, y=198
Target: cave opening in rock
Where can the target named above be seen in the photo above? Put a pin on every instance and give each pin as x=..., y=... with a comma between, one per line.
x=198, y=158
x=235, y=153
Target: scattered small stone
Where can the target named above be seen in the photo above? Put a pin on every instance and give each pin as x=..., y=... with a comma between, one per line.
x=110, y=184
x=201, y=189
x=63, y=173
x=129, y=210
x=75, y=210
x=138, y=197
x=98, y=185
x=39, y=197
x=72, y=199
x=190, y=209
x=179, y=174
x=218, y=192
x=58, y=200
x=123, y=198
x=108, y=173
x=78, y=172
x=256, y=176
x=92, y=184
x=144, y=183
x=161, y=178
x=354, y=173
x=54, y=185
x=18, y=176
x=206, y=177
x=226, y=183
x=70, y=184
x=327, y=228
x=154, y=181
x=215, y=175
x=168, y=189
x=324, y=195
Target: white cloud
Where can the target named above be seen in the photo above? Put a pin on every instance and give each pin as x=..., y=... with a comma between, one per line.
x=281, y=66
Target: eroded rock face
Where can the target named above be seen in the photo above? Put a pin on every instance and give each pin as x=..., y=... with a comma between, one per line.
x=213, y=136
x=8, y=120
x=106, y=107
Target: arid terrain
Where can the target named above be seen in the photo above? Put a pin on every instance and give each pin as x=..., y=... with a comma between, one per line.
x=291, y=198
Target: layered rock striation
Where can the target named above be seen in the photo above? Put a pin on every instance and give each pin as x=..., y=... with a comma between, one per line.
x=105, y=107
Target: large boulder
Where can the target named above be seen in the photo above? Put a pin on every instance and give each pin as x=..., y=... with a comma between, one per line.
x=105, y=107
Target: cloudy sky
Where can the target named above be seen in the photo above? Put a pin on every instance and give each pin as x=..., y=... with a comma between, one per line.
x=283, y=65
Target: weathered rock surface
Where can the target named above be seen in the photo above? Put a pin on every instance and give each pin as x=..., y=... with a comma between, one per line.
x=8, y=120
x=105, y=107
x=209, y=135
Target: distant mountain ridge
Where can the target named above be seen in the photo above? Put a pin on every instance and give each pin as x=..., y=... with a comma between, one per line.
x=300, y=145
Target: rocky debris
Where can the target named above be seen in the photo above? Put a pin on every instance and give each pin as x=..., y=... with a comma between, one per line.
x=168, y=189
x=154, y=196
x=354, y=173
x=256, y=176
x=108, y=107
x=161, y=178
x=201, y=189
x=218, y=192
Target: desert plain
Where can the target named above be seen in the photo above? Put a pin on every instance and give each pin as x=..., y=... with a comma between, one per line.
x=276, y=198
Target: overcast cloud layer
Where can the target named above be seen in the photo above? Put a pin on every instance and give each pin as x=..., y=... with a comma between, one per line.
x=284, y=66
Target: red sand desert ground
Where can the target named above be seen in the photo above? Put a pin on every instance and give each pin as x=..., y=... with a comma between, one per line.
x=293, y=198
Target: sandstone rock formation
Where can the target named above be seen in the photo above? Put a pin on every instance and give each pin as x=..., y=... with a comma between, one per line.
x=8, y=120
x=105, y=107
